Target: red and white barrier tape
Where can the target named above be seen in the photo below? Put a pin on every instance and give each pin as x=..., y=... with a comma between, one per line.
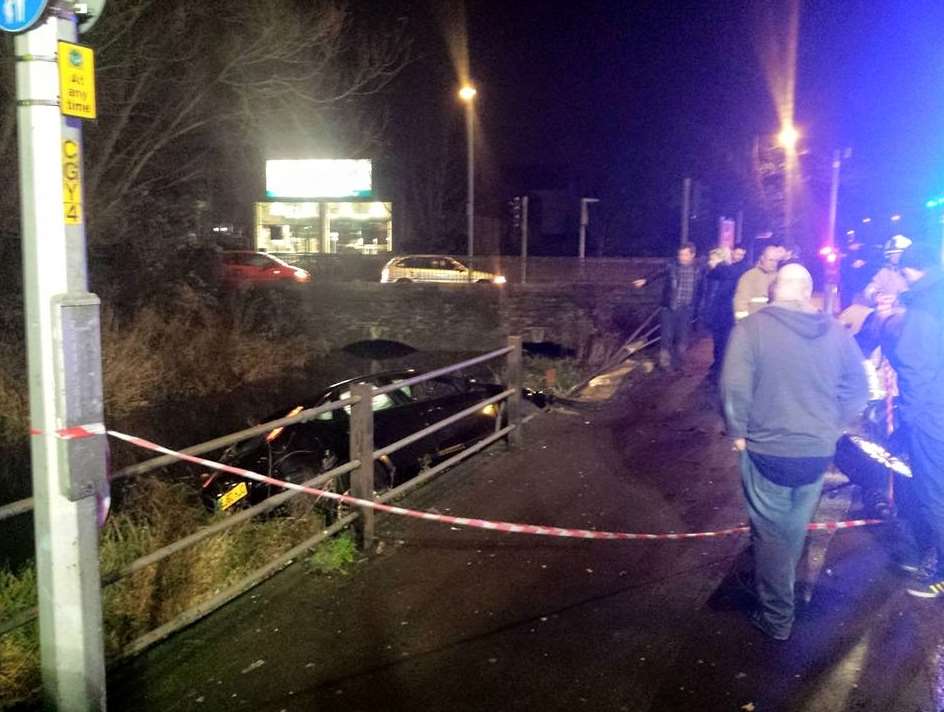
x=76, y=432
x=509, y=527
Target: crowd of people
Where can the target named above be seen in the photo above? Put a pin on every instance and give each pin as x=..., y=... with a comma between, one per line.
x=793, y=378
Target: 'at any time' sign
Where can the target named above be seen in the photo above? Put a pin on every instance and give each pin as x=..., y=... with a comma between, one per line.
x=76, y=80
x=71, y=182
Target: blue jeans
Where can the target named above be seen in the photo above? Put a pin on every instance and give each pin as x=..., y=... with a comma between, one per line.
x=926, y=515
x=676, y=325
x=779, y=518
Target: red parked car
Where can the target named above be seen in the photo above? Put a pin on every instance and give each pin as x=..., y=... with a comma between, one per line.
x=242, y=269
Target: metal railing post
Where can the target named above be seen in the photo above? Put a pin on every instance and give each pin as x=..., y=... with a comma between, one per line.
x=514, y=378
x=362, y=449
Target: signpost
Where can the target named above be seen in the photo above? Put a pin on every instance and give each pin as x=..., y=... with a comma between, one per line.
x=63, y=348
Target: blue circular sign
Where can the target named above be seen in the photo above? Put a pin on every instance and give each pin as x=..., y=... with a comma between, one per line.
x=20, y=15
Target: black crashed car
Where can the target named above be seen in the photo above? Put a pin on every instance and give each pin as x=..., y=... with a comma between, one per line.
x=300, y=451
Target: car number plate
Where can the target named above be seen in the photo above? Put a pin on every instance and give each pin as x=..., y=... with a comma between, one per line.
x=233, y=496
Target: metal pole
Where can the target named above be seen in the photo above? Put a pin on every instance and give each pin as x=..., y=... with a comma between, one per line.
x=584, y=222
x=834, y=199
x=524, y=240
x=362, y=448
x=831, y=295
x=739, y=228
x=686, y=208
x=470, y=178
x=325, y=227
x=584, y=218
x=63, y=352
x=514, y=379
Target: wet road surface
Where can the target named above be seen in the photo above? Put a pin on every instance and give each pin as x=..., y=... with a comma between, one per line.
x=451, y=619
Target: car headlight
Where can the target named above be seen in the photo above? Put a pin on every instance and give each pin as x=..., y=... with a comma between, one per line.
x=301, y=275
x=499, y=279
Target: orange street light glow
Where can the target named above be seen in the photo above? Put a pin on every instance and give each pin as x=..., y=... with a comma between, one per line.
x=467, y=93
x=788, y=137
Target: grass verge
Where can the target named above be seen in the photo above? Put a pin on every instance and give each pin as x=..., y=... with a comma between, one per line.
x=156, y=514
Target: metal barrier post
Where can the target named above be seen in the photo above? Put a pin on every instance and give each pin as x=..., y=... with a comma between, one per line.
x=514, y=378
x=362, y=449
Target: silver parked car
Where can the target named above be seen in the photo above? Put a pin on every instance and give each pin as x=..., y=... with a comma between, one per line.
x=435, y=268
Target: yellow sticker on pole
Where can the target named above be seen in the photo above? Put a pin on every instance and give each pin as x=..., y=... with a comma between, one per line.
x=77, y=80
x=71, y=182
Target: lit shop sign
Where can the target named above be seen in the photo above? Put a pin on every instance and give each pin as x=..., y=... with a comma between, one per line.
x=314, y=179
x=293, y=211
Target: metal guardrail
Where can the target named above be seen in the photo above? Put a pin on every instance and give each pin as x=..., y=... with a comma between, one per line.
x=361, y=463
x=26, y=505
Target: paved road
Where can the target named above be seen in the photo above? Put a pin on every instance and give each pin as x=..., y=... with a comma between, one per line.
x=447, y=619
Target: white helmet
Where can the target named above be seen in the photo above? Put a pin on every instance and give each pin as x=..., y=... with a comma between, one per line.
x=897, y=244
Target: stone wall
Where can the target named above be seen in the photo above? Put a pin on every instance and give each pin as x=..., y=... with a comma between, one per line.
x=585, y=318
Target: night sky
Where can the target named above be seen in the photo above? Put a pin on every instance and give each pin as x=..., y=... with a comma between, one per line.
x=639, y=94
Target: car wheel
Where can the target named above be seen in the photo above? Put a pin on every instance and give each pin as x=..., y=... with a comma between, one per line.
x=404, y=280
x=483, y=281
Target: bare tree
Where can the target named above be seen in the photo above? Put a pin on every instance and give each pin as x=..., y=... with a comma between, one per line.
x=181, y=83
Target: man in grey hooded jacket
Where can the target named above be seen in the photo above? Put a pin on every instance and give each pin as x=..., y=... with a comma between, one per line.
x=793, y=378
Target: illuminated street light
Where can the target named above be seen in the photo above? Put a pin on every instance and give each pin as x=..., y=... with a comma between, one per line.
x=788, y=137
x=467, y=94
x=866, y=220
x=896, y=217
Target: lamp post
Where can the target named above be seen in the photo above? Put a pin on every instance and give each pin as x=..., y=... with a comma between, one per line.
x=584, y=221
x=467, y=94
x=788, y=138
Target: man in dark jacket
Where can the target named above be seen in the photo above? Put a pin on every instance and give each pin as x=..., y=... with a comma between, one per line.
x=719, y=310
x=793, y=378
x=681, y=295
x=918, y=357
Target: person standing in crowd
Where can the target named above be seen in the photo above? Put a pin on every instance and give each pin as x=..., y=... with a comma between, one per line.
x=889, y=282
x=918, y=358
x=753, y=288
x=719, y=310
x=792, y=380
x=681, y=294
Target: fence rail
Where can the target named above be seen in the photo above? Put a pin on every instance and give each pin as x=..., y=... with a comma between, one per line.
x=362, y=456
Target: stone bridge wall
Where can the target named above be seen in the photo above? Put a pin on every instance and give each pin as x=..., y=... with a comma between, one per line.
x=589, y=319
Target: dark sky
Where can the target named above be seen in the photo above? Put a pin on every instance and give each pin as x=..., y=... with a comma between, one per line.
x=642, y=93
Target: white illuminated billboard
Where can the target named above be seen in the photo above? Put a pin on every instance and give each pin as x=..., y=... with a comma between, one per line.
x=316, y=178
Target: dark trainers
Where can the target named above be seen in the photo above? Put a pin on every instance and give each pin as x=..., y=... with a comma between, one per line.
x=932, y=587
x=757, y=620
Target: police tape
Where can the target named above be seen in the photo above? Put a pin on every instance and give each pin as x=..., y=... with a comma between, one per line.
x=508, y=527
x=76, y=432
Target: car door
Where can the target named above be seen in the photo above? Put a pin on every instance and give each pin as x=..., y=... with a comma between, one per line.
x=265, y=269
x=460, y=273
x=440, y=398
x=234, y=268
x=395, y=417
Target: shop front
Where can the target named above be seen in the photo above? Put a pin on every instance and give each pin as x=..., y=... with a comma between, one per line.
x=322, y=207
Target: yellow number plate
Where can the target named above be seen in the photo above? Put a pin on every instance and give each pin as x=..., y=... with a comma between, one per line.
x=233, y=496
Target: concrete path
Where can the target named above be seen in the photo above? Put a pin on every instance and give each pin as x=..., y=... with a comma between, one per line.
x=450, y=619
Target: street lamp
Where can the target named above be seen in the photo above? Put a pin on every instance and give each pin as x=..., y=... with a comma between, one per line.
x=467, y=94
x=788, y=137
